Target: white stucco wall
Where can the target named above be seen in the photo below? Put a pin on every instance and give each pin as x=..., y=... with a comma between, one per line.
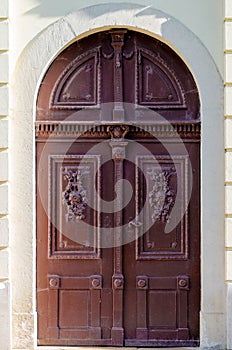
x=203, y=18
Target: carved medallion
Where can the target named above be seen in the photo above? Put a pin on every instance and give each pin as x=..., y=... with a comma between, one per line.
x=118, y=131
x=74, y=195
x=161, y=197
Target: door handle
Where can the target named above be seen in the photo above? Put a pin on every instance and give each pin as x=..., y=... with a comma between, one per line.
x=134, y=223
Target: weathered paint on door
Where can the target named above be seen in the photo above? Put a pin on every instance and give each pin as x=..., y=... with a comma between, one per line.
x=118, y=105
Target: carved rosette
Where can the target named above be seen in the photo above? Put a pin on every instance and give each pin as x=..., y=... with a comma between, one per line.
x=117, y=281
x=161, y=197
x=142, y=282
x=74, y=196
x=96, y=282
x=54, y=282
x=183, y=282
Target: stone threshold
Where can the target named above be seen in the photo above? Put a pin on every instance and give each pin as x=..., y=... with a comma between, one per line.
x=108, y=348
x=104, y=348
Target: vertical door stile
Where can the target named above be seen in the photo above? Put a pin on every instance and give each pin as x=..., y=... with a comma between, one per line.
x=118, y=155
x=118, y=146
x=53, y=290
x=117, y=43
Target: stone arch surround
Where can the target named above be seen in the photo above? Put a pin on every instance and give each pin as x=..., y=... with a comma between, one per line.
x=27, y=77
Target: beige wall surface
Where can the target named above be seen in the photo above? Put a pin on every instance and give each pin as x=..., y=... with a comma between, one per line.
x=228, y=163
x=203, y=18
x=4, y=179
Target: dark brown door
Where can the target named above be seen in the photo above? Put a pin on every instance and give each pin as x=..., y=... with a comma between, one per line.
x=118, y=263
x=161, y=270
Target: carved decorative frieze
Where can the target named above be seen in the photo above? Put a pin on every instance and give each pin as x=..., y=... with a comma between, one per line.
x=75, y=130
x=117, y=39
x=161, y=197
x=74, y=195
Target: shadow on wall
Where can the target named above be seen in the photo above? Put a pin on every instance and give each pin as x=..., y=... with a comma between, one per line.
x=46, y=8
x=193, y=15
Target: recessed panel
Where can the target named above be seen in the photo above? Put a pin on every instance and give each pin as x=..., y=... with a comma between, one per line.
x=74, y=309
x=79, y=85
x=74, y=210
x=157, y=191
x=162, y=309
x=157, y=84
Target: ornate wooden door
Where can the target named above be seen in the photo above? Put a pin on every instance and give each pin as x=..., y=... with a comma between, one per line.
x=118, y=228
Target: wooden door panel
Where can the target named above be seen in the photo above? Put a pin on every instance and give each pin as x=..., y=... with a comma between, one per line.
x=70, y=293
x=77, y=308
x=74, y=310
x=161, y=309
x=167, y=275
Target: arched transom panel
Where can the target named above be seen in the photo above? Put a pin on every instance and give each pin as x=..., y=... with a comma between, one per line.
x=137, y=70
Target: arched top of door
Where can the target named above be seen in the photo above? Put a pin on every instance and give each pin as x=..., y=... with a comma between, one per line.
x=121, y=76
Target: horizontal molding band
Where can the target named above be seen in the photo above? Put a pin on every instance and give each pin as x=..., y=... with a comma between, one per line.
x=58, y=129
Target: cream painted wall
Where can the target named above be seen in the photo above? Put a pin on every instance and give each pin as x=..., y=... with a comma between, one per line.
x=203, y=18
x=228, y=163
x=4, y=180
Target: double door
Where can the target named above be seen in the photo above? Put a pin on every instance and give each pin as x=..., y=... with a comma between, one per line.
x=118, y=240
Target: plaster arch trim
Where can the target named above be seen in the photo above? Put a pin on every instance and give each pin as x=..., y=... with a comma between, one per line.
x=27, y=78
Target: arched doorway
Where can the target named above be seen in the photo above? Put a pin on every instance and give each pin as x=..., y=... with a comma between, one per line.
x=135, y=96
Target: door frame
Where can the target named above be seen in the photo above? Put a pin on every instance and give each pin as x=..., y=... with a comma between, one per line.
x=36, y=59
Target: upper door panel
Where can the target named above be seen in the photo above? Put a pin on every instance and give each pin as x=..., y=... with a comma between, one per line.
x=125, y=67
